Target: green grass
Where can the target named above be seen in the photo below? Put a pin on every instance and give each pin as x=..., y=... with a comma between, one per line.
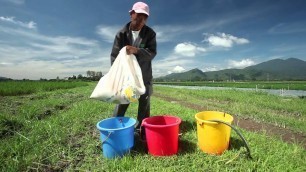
x=287, y=112
x=287, y=85
x=14, y=88
x=56, y=131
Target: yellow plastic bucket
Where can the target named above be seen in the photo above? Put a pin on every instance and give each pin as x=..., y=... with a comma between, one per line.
x=213, y=137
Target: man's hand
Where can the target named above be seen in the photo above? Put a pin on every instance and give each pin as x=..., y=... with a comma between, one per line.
x=131, y=50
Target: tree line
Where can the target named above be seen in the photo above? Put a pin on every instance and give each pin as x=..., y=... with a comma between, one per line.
x=90, y=76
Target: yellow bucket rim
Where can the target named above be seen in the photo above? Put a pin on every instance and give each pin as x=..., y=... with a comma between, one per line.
x=210, y=122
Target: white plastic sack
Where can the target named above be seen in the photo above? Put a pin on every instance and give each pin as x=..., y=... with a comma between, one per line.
x=123, y=83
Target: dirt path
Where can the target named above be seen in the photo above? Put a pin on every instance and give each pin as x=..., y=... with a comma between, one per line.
x=285, y=134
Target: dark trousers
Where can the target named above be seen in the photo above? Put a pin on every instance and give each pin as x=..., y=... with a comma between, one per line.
x=143, y=107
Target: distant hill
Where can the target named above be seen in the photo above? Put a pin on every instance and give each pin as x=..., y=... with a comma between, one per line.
x=192, y=74
x=277, y=69
x=4, y=78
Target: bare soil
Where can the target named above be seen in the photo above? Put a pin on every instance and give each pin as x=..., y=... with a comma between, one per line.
x=285, y=134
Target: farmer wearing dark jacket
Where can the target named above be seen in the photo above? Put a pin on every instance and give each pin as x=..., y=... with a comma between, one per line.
x=139, y=40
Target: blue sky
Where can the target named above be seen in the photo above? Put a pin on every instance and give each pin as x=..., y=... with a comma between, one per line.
x=50, y=38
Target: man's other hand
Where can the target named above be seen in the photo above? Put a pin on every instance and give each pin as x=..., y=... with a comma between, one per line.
x=131, y=50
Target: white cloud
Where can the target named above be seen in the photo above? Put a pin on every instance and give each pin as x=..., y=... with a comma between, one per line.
x=16, y=2
x=190, y=49
x=187, y=49
x=168, y=33
x=176, y=61
x=108, y=33
x=171, y=33
x=5, y=64
x=224, y=40
x=167, y=65
x=29, y=25
x=178, y=69
x=288, y=28
x=213, y=68
x=240, y=64
x=31, y=55
x=8, y=19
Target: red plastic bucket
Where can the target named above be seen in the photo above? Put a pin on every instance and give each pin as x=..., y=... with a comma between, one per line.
x=162, y=134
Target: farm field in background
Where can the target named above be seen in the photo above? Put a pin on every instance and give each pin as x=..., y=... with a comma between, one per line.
x=14, y=88
x=290, y=85
x=56, y=130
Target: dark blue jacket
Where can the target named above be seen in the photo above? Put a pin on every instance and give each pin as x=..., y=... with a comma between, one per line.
x=146, y=43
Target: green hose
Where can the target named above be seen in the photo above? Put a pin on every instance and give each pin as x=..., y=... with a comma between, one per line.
x=240, y=135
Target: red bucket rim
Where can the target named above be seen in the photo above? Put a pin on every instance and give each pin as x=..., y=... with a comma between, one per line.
x=177, y=122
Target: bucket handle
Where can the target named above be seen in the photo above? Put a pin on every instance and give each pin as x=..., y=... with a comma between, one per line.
x=109, y=133
x=136, y=124
x=240, y=135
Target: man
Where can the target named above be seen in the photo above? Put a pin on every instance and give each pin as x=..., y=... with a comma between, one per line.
x=139, y=40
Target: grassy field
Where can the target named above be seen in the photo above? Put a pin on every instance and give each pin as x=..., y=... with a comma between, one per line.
x=14, y=88
x=285, y=112
x=287, y=85
x=56, y=131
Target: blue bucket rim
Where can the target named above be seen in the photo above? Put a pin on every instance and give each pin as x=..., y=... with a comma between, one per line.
x=115, y=129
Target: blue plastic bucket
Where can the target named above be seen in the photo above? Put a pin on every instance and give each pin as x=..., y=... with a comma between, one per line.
x=116, y=135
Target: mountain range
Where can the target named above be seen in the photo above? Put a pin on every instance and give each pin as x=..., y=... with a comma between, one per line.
x=276, y=69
